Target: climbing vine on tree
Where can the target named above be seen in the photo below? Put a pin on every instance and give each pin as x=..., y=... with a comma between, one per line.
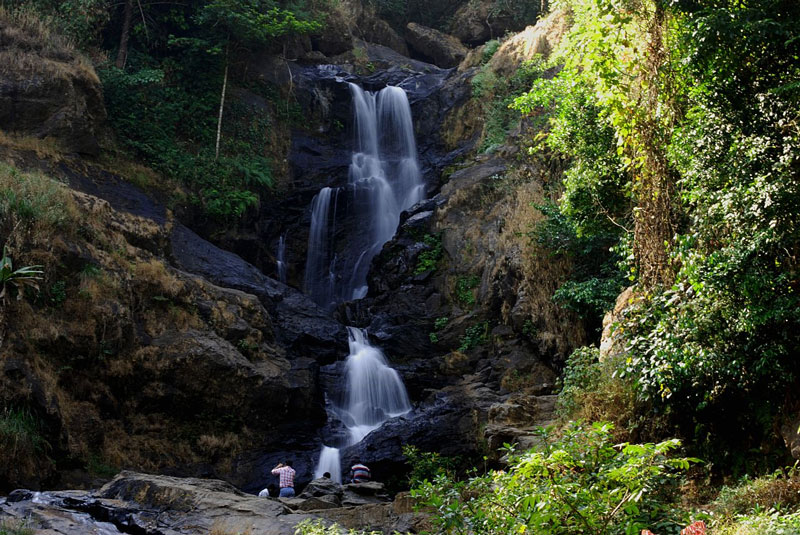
x=679, y=123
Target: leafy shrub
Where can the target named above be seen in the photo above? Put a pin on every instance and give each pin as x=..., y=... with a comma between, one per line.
x=438, y=325
x=595, y=391
x=464, y=290
x=426, y=466
x=579, y=483
x=429, y=259
x=489, y=49
x=58, y=293
x=474, y=336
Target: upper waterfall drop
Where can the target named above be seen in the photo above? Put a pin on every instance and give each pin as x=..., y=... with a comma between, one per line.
x=383, y=180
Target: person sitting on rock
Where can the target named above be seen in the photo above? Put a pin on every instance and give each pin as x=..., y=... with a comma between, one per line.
x=271, y=490
x=326, y=475
x=359, y=473
x=285, y=474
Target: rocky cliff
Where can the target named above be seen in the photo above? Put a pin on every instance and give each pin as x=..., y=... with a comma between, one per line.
x=149, y=347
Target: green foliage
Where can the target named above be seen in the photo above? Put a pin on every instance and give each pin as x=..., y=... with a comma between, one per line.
x=489, y=49
x=582, y=373
x=14, y=281
x=32, y=199
x=81, y=21
x=579, y=483
x=779, y=491
x=464, y=289
x=20, y=433
x=595, y=280
x=170, y=122
x=318, y=527
x=97, y=467
x=474, y=336
x=251, y=21
x=761, y=522
x=427, y=466
x=714, y=115
x=164, y=104
x=57, y=293
x=438, y=325
x=593, y=390
x=497, y=94
x=431, y=257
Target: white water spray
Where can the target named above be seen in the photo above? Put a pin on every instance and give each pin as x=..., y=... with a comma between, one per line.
x=384, y=179
x=374, y=394
x=280, y=259
x=329, y=462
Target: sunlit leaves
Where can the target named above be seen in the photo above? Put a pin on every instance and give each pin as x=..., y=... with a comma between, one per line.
x=579, y=483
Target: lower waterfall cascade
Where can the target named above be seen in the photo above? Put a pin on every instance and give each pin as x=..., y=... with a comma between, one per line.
x=375, y=393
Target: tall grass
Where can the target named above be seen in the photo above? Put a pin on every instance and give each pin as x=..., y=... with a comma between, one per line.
x=20, y=433
x=15, y=527
x=33, y=203
x=30, y=44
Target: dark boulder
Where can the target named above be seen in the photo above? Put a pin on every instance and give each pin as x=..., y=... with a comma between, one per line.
x=441, y=49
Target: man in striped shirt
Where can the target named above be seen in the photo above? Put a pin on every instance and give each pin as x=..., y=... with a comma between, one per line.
x=285, y=474
x=359, y=473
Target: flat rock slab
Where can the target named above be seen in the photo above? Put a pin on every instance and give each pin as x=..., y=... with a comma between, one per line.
x=163, y=505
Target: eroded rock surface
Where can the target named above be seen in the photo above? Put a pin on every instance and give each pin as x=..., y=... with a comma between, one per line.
x=47, y=89
x=442, y=49
x=160, y=505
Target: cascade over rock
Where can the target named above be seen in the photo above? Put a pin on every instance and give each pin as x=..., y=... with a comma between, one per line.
x=384, y=179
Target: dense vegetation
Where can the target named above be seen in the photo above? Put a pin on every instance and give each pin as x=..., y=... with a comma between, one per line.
x=167, y=82
x=680, y=123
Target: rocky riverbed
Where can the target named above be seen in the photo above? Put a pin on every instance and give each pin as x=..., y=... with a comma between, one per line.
x=142, y=504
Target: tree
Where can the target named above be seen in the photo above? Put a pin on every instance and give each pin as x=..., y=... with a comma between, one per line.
x=232, y=24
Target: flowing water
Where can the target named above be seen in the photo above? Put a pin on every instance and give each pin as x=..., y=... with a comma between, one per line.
x=329, y=462
x=384, y=179
x=280, y=259
x=374, y=393
x=349, y=226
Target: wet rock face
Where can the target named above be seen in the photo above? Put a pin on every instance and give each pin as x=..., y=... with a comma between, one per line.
x=322, y=158
x=441, y=49
x=47, y=90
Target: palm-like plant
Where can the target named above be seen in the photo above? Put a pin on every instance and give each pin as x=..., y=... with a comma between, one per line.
x=19, y=279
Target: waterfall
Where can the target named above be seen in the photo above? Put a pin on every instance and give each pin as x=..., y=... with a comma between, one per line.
x=374, y=393
x=329, y=462
x=319, y=269
x=383, y=180
x=280, y=259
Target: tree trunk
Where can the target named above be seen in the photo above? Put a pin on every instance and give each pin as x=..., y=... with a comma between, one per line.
x=654, y=225
x=221, y=106
x=122, y=54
